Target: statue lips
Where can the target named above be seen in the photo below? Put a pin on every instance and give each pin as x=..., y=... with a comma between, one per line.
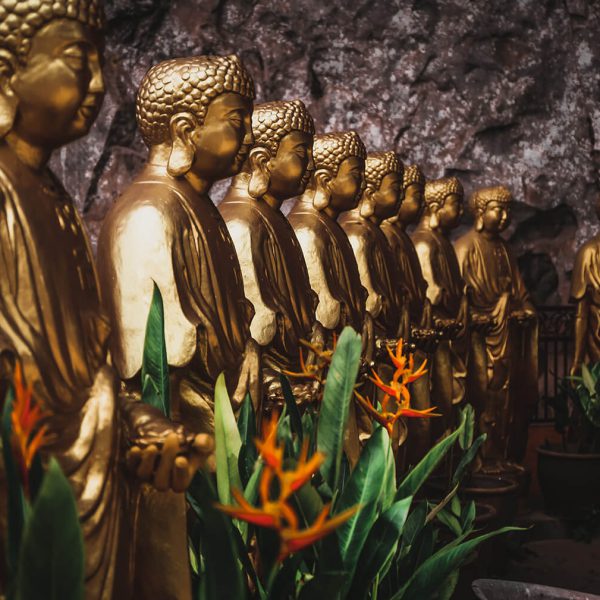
x=89, y=108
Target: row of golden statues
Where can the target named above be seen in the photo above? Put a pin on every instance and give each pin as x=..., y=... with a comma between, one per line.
x=242, y=284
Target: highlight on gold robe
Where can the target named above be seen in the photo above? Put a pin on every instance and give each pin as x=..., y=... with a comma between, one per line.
x=445, y=291
x=380, y=200
x=195, y=116
x=416, y=308
x=585, y=293
x=275, y=276
x=334, y=188
x=496, y=290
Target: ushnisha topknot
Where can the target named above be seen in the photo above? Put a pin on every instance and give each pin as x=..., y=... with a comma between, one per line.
x=186, y=85
x=20, y=20
x=380, y=164
x=482, y=197
x=272, y=121
x=331, y=149
x=436, y=190
x=413, y=174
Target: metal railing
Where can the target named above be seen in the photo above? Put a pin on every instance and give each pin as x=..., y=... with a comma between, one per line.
x=556, y=347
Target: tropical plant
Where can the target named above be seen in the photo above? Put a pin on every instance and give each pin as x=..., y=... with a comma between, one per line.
x=577, y=410
x=289, y=519
x=45, y=556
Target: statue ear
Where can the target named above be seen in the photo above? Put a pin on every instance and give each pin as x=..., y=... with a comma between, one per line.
x=260, y=178
x=183, y=150
x=8, y=99
x=479, y=222
x=322, y=196
x=367, y=204
x=434, y=220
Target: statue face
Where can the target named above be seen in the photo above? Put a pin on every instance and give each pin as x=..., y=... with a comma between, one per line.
x=451, y=211
x=60, y=88
x=412, y=205
x=292, y=166
x=346, y=188
x=223, y=141
x=496, y=217
x=388, y=197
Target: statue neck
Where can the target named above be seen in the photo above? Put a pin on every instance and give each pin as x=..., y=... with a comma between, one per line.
x=35, y=157
x=241, y=182
x=489, y=235
x=159, y=157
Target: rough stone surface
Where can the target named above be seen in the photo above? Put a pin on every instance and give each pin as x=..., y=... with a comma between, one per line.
x=493, y=91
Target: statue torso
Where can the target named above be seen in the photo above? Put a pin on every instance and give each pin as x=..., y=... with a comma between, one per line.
x=282, y=281
x=332, y=248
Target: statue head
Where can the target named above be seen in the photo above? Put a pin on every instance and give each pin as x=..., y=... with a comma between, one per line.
x=412, y=204
x=338, y=179
x=444, y=202
x=491, y=208
x=281, y=160
x=199, y=110
x=383, y=191
x=51, y=85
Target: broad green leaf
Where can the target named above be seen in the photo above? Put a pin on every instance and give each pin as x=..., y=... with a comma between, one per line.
x=338, y=393
x=327, y=585
x=222, y=576
x=448, y=588
x=247, y=427
x=411, y=484
x=469, y=512
x=428, y=578
x=591, y=407
x=284, y=584
x=155, y=367
x=414, y=524
x=380, y=547
x=292, y=407
x=363, y=489
x=466, y=437
x=388, y=489
x=468, y=458
x=588, y=380
x=51, y=562
x=450, y=521
x=227, y=444
x=15, y=499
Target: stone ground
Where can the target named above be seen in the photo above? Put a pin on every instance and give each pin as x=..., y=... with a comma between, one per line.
x=493, y=91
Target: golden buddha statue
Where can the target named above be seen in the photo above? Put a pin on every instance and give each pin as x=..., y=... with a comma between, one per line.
x=273, y=269
x=585, y=293
x=50, y=314
x=334, y=188
x=417, y=315
x=496, y=290
x=379, y=201
x=445, y=292
x=195, y=116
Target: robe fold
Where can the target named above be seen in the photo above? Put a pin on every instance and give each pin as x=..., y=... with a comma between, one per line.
x=50, y=318
x=496, y=289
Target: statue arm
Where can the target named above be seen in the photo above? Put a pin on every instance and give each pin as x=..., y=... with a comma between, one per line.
x=328, y=309
x=263, y=327
x=434, y=290
x=581, y=331
x=374, y=300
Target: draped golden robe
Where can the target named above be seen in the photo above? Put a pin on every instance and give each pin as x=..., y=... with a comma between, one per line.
x=274, y=272
x=496, y=289
x=585, y=282
x=445, y=292
x=414, y=290
x=377, y=272
x=50, y=319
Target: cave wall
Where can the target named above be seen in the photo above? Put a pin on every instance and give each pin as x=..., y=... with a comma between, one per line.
x=491, y=91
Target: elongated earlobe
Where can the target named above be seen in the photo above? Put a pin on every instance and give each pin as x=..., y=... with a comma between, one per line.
x=367, y=205
x=479, y=223
x=322, y=196
x=8, y=100
x=434, y=221
x=182, y=154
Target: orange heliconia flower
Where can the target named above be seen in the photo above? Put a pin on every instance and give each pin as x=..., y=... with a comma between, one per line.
x=397, y=388
x=277, y=512
x=27, y=436
x=314, y=371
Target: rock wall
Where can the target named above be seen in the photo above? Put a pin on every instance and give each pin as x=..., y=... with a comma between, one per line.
x=493, y=91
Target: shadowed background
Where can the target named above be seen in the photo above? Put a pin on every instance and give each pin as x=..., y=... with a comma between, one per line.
x=493, y=91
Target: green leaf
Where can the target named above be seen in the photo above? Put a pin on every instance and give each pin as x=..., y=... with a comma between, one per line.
x=155, y=367
x=14, y=491
x=380, y=547
x=466, y=437
x=469, y=512
x=247, y=428
x=388, y=489
x=468, y=458
x=292, y=407
x=450, y=521
x=338, y=393
x=51, y=563
x=414, y=524
x=327, y=584
x=363, y=489
x=227, y=444
x=222, y=575
x=421, y=472
x=431, y=574
x=588, y=380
